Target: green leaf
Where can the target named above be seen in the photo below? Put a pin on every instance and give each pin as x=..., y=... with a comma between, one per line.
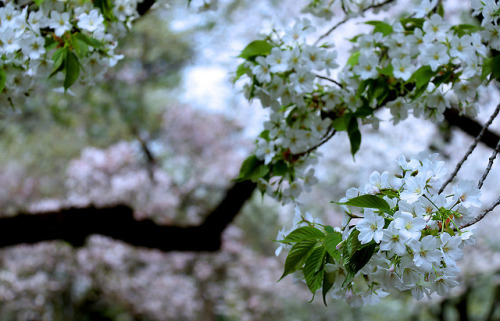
x=256, y=48
x=368, y=201
x=280, y=168
x=297, y=255
x=314, y=269
x=353, y=59
x=495, y=67
x=89, y=40
x=354, y=135
x=444, y=78
x=440, y=9
x=81, y=48
x=329, y=229
x=380, y=26
x=339, y=123
x=252, y=169
x=328, y=281
x=331, y=242
x=377, y=90
x=39, y=2
x=465, y=29
x=356, y=255
x=106, y=8
x=58, y=57
x=3, y=79
x=412, y=23
x=242, y=70
x=422, y=76
x=487, y=68
x=72, y=67
x=387, y=70
x=304, y=233
x=50, y=43
x=358, y=260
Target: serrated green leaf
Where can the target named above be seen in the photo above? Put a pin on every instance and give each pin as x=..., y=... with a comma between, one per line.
x=256, y=48
x=297, y=256
x=314, y=269
x=331, y=241
x=72, y=68
x=422, y=76
x=358, y=260
x=380, y=26
x=280, y=168
x=304, y=233
x=328, y=281
x=368, y=201
x=354, y=135
x=329, y=229
x=3, y=79
x=353, y=59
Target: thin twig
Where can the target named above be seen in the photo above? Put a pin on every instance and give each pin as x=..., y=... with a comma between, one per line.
x=329, y=134
x=482, y=215
x=347, y=18
x=331, y=80
x=471, y=149
x=490, y=164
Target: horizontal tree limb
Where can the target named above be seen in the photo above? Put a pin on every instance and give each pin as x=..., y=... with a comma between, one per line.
x=74, y=225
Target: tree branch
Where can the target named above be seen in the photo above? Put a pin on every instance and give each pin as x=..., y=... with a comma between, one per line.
x=471, y=127
x=471, y=149
x=74, y=225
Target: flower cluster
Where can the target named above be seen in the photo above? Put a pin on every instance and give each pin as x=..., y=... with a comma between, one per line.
x=418, y=65
x=398, y=234
x=284, y=68
x=60, y=38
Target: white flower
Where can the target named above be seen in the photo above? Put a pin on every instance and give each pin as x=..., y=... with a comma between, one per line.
x=403, y=68
x=434, y=55
x=394, y=240
x=367, y=66
x=450, y=248
x=60, y=22
x=265, y=150
x=262, y=71
x=425, y=252
x=91, y=21
x=467, y=194
x=278, y=60
x=370, y=227
x=414, y=188
x=409, y=226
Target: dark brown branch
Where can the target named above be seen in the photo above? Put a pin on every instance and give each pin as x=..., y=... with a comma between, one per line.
x=471, y=127
x=144, y=6
x=74, y=225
